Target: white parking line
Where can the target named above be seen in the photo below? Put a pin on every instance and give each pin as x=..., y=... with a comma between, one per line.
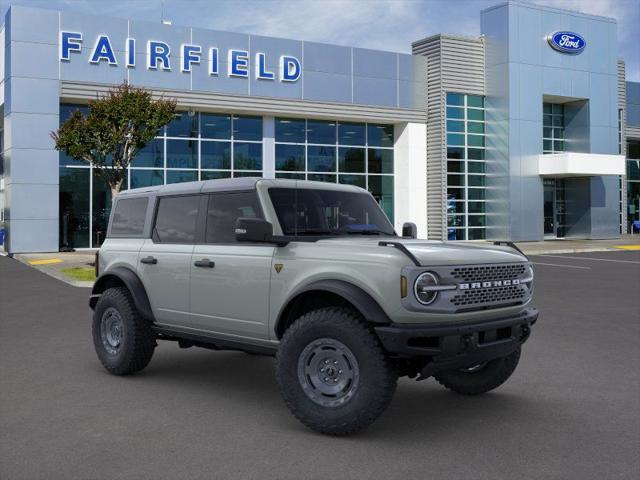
x=559, y=265
x=590, y=258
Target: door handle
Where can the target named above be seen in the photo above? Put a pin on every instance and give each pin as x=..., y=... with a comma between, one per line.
x=205, y=263
x=149, y=260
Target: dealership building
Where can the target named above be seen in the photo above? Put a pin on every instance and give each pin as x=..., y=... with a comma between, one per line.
x=527, y=132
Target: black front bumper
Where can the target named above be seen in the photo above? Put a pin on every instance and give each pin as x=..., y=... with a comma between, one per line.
x=449, y=347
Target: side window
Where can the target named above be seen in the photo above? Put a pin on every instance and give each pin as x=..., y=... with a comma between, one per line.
x=224, y=209
x=128, y=217
x=176, y=219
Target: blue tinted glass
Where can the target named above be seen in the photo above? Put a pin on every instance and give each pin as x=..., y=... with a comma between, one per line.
x=473, y=114
x=321, y=159
x=290, y=157
x=380, y=161
x=475, y=127
x=357, y=180
x=475, y=101
x=151, y=155
x=178, y=176
x=455, y=126
x=247, y=128
x=290, y=130
x=247, y=156
x=292, y=176
x=215, y=155
x=182, y=154
x=455, y=99
x=475, y=140
x=455, y=139
x=351, y=133
x=455, y=152
x=455, y=112
x=74, y=207
x=204, y=175
x=237, y=174
x=475, y=154
x=215, y=126
x=351, y=160
x=184, y=124
x=379, y=135
x=381, y=187
x=146, y=178
x=67, y=160
x=322, y=178
x=319, y=131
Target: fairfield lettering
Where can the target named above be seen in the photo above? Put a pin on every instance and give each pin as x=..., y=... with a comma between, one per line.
x=159, y=56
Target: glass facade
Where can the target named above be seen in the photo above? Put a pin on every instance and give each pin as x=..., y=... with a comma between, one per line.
x=633, y=182
x=204, y=146
x=194, y=146
x=466, y=173
x=552, y=128
x=345, y=152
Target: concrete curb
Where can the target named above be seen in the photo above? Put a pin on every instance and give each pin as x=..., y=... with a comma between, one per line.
x=571, y=250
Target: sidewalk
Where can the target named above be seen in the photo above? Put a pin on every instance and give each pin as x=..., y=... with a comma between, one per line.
x=626, y=242
x=55, y=264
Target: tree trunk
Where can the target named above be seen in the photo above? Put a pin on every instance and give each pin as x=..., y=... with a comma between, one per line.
x=115, y=189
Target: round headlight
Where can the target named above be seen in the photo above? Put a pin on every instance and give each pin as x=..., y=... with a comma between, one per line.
x=423, y=288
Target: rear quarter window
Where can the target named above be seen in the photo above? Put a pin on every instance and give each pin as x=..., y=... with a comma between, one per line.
x=129, y=216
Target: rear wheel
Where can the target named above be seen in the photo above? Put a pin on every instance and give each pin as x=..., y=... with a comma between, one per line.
x=122, y=339
x=333, y=373
x=480, y=378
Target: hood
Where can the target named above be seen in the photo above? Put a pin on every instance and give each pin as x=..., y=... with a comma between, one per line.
x=432, y=253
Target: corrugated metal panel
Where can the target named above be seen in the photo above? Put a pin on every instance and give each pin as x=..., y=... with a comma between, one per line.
x=268, y=106
x=632, y=132
x=622, y=86
x=453, y=64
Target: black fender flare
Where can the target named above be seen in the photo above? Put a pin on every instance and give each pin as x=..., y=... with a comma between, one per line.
x=133, y=284
x=356, y=296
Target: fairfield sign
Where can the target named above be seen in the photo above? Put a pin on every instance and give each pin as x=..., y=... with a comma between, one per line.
x=159, y=56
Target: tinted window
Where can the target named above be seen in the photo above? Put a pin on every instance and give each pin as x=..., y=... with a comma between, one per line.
x=327, y=212
x=224, y=210
x=129, y=215
x=176, y=219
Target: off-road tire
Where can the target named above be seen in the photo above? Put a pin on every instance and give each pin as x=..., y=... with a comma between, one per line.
x=377, y=376
x=137, y=341
x=489, y=377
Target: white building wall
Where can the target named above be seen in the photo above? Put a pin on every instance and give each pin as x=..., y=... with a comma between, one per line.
x=410, y=181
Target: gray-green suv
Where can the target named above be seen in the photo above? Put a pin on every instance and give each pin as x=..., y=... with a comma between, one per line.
x=314, y=274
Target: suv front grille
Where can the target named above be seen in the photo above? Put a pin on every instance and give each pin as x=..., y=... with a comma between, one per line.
x=481, y=273
x=508, y=294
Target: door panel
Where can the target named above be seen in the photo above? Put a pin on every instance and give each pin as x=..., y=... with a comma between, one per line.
x=167, y=281
x=232, y=297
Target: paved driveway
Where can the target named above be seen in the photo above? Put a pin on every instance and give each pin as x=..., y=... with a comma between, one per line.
x=572, y=409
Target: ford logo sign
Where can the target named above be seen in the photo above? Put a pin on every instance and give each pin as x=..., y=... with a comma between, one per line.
x=567, y=42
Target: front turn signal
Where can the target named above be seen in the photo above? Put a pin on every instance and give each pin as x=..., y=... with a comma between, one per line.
x=403, y=286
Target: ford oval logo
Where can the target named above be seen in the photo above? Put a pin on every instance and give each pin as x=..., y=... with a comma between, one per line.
x=567, y=42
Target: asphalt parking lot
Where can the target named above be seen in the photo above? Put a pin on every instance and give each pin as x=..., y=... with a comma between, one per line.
x=571, y=410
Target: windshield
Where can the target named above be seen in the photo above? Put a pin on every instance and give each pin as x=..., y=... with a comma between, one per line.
x=328, y=212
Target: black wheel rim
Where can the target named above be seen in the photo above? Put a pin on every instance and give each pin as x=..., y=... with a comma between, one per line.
x=328, y=372
x=111, y=330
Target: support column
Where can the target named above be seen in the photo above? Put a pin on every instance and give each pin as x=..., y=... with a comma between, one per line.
x=31, y=112
x=410, y=179
x=268, y=147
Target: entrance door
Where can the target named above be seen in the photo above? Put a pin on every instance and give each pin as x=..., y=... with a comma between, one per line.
x=555, y=208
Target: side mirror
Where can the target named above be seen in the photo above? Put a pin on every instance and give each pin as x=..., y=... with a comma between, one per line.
x=409, y=230
x=253, y=230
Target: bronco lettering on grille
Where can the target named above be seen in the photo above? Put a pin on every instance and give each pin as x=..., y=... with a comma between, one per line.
x=495, y=283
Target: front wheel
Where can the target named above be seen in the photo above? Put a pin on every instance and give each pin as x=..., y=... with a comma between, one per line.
x=333, y=373
x=480, y=378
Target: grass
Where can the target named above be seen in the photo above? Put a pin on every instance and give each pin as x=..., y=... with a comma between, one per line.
x=82, y=274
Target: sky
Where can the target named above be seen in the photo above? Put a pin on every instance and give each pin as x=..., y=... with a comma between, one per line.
x=378, y=24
